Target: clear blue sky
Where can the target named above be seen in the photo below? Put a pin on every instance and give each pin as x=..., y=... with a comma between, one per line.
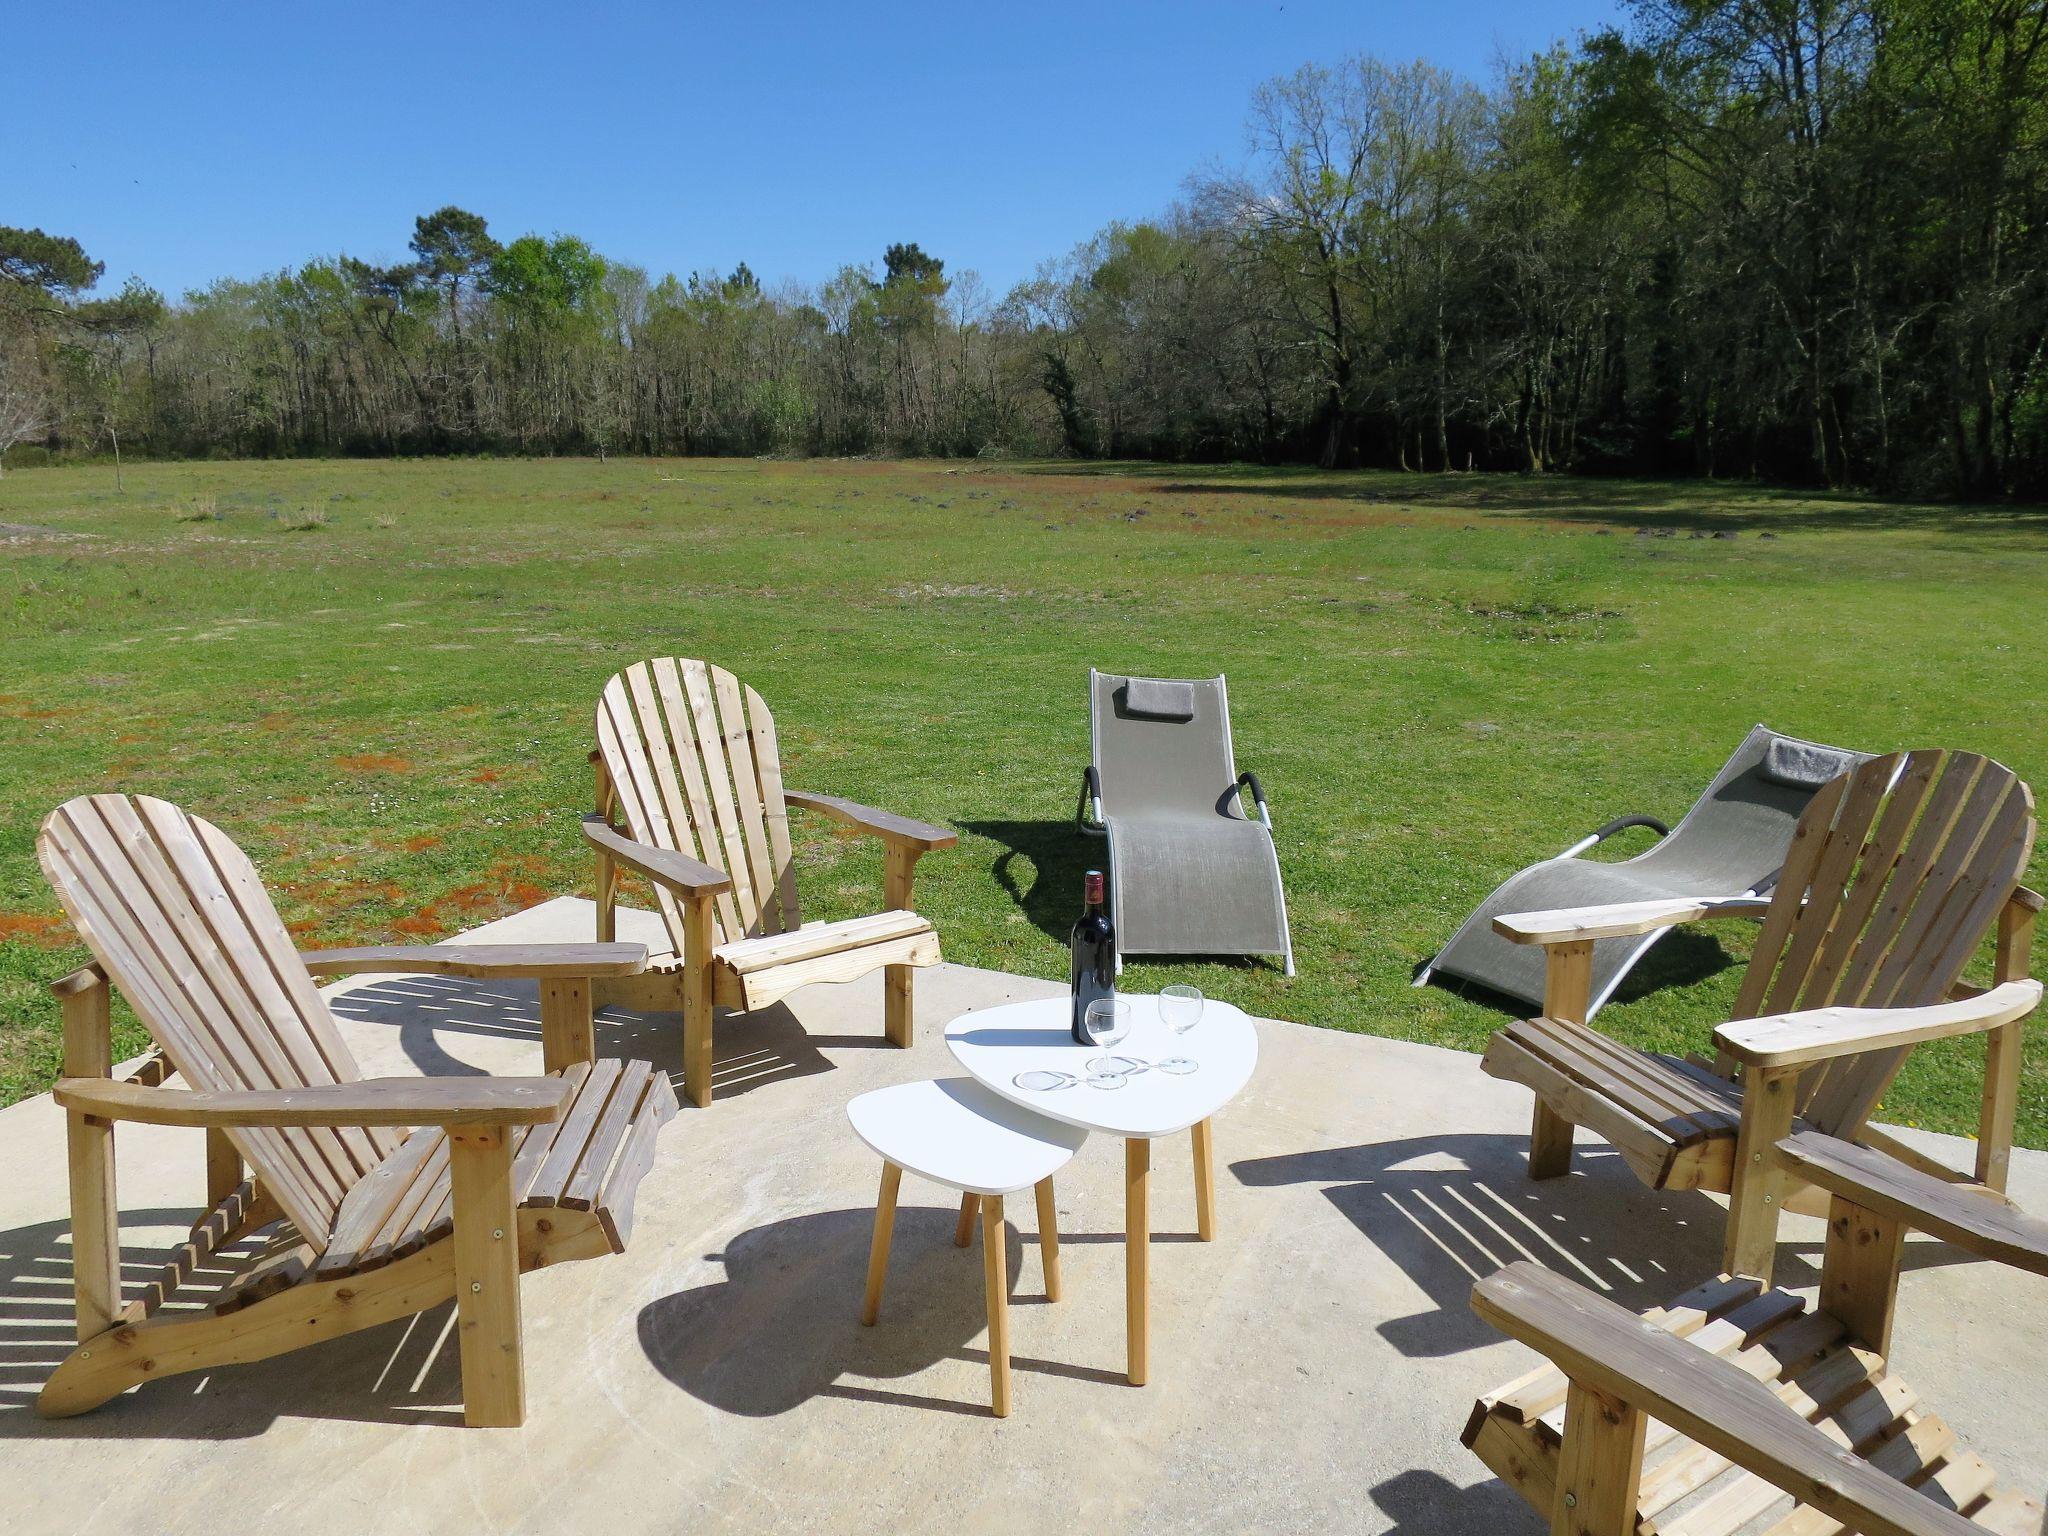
x=181, y=142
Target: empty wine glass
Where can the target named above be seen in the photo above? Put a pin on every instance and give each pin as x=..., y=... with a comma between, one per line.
x=1107, y=1021
x=1180, y=1010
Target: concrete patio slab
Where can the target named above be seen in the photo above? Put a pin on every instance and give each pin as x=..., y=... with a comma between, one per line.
x=1311, y=1368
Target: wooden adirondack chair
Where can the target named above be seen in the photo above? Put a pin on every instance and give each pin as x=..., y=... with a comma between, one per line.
x=688, y=756
x=395, y=1193
x=1896, y=873
x=1704, y=1416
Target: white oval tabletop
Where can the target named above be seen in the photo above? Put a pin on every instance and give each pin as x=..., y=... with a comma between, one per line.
x=996, y=1044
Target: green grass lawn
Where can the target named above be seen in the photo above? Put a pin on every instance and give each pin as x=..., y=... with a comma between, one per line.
x=1439, y=679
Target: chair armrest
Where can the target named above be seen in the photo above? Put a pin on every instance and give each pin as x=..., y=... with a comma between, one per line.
x=678, y=871
x=1619, y=824
x=1877, y=1182
x=369, y=1101
x=921, y=835
x=1606, y=1347
x=1821, y=1034
x=1570, y=925
x=480, y=960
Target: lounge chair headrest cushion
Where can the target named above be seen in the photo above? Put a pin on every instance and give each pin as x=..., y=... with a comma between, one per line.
x=1158, y=698
x=1803, y=765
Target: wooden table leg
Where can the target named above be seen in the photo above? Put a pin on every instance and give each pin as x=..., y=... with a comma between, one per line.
x=1137, y=1256
x=1205, y=1183
x=963, y=1229
x=878, y=1252
x=996, y=1276
x=1049, y=1239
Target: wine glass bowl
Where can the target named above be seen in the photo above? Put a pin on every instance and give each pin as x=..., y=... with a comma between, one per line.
x=1108, y=1020
x=1180, y=1008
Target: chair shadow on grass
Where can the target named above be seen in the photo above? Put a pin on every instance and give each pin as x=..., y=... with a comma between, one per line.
x=407, y=1371
x=430, y=1014
x=1040, y=867
x=783, y=1326
x=1684, y=957
x=1448, y=1210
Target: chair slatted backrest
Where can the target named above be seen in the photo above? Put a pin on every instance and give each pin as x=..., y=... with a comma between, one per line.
x=178, y=918
x=1896, y=873
x=692, y=760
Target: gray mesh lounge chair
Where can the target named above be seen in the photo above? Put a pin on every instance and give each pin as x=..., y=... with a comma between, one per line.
x=1189, y=872
x=1730, y=844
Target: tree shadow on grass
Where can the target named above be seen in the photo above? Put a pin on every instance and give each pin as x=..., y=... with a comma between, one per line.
x=1670, y=507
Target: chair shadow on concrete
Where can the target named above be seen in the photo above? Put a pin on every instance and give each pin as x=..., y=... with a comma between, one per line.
x=1419, y=1503
x=1448, y=1210
x=405, y=1372
x=783, y=1326
x=749, y=1051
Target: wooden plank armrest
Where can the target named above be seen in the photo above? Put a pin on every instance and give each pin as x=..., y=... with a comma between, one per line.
x=481, y=960
x=1820, y=1034
x=1610, y=1349
x=678, y=871
x=404, y=1101
x=1571, y=925
x=921, y=835
x=1879, y=1182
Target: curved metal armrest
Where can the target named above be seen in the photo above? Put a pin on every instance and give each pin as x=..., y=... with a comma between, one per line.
x=1619, y=824
x=1820, y=1034
x=1249, y=780
x=1879, y=1182
x=405, y=1101
x=678, y=871
x=1569, y=925
x=1607, y=1347
x=1088, y=814
x=921, y=835
x=480, y=960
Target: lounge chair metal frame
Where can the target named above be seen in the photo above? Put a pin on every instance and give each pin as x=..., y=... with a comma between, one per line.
x=1749, y=763
x=1091, y=819
x=1704, y=1415
x=387, y=1195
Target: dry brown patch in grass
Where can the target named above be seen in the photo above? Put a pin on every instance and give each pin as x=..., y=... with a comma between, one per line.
x=374, y=762
x=35, y=928
x=421, y=843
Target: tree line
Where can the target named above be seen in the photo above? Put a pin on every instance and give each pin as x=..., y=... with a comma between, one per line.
x=1798, y=240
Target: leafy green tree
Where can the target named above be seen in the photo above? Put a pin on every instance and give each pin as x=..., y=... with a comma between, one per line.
x=454, y=247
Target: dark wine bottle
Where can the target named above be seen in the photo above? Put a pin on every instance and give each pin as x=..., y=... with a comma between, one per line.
x=1094, y=947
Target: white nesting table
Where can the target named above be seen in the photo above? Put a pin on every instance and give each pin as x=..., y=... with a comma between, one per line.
x=996, y=1044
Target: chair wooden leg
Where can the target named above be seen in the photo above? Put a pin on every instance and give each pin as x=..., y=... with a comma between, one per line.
x=898, y=863
x=996, y=1277
x=878, y=1252
x=1859, y=1273
x=1049, y=1239
x=697, y=1002
x=1757, y=1197
x=1137, y=1258
x=568, y=1033
x=1205, y=1182
x=1600, y=1469
x=963, y=1229
x=89, y=1142
x=1550, y=1143
x=487, y=1276
x=223, y=1167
